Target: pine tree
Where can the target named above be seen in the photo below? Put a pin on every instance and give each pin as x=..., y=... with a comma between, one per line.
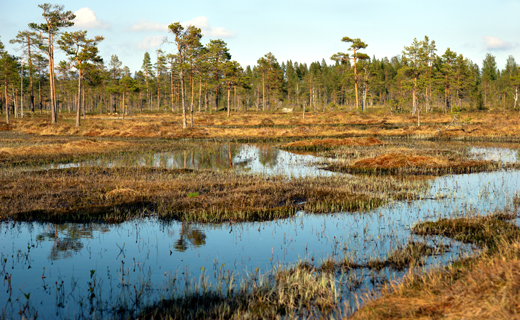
x=55, y=19
x=29, y=43
x=81, y=51
x=184, y=39
x=8, y=73
x=356, y=45
x=232, y=75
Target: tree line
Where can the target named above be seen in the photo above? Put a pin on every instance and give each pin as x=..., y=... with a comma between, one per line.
x=203, y=78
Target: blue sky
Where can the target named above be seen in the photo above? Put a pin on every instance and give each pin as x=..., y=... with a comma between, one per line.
x=303, y=30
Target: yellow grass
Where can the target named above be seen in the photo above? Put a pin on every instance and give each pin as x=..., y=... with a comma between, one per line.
x=276, y=125
x=72, y=148
x=487, y=289
x=400, y=160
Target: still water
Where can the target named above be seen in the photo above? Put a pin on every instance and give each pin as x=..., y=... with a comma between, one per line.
x=89, y=270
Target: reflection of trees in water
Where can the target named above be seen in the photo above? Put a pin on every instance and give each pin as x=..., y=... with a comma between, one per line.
x=268, y=156
x=189, y=236
x=219, y=156
x=67, y=238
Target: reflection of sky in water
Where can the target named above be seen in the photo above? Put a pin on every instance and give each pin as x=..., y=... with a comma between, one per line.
x=147, y=253
x=505, y=155
x=249, y=158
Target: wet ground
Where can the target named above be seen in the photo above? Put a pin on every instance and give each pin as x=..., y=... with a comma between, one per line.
x=83, y=270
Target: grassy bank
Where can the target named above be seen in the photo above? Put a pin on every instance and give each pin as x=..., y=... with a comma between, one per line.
x=19, y=149
x=483, y=287
x=397, y=163
x=118, y=194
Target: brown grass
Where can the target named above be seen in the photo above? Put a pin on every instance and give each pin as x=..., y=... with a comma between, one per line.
x=377, y=123
x=73, y=147
x=401, y=163
x=117, y=194
x=486, y=287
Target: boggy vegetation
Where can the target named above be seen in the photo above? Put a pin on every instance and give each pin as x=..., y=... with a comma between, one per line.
x=259, y=126
x=19, y=149
x=118, y=194
x=305, y=290
x=483, y=287
x=399, y=259
x=399, y=163
x=289, y=293
x=412, y=158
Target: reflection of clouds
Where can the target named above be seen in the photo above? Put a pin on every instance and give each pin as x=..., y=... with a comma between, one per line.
x=263, y=159
x=505, y=155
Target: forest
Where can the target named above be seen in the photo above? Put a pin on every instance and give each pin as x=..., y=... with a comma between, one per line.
x=186, y=76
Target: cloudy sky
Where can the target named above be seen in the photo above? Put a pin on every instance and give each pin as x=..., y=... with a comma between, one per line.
x=302, y=30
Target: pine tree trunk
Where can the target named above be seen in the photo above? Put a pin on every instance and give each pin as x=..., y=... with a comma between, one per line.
x=15, y=104
x=192, y=98
x=40, y=93
x=123, y=105
x=356, y=81
x=184, y=122
x=171, y=86
x=78, y=100
x=263, y=91
x=228, y=100
x=5, y=93
x=30, y=74
x=83, y=103
x=200, y=93
x=21, y=92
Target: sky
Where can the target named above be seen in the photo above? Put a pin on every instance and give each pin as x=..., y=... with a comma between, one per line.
x=302, y=31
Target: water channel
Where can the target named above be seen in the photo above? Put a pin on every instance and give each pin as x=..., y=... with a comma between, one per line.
x=83, y=270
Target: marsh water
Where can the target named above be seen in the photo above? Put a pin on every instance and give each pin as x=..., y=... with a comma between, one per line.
x=93, y=270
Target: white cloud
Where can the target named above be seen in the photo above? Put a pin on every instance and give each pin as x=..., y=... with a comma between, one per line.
x=207, y=30
x=199, y=22
x=86, y=18
x=496, y=44
x=150, y=42
x=145, y=25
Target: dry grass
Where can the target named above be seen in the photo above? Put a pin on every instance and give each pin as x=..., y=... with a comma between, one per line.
x=84, y=146
x=402, y=257
x=378, y=123
x=23, y=149
x=117, y=194
x=292, y=294
x=401, y=163
x=486, y=287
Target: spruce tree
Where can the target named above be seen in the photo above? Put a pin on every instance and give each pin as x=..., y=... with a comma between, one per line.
x=489, y=75
x=147, y=69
